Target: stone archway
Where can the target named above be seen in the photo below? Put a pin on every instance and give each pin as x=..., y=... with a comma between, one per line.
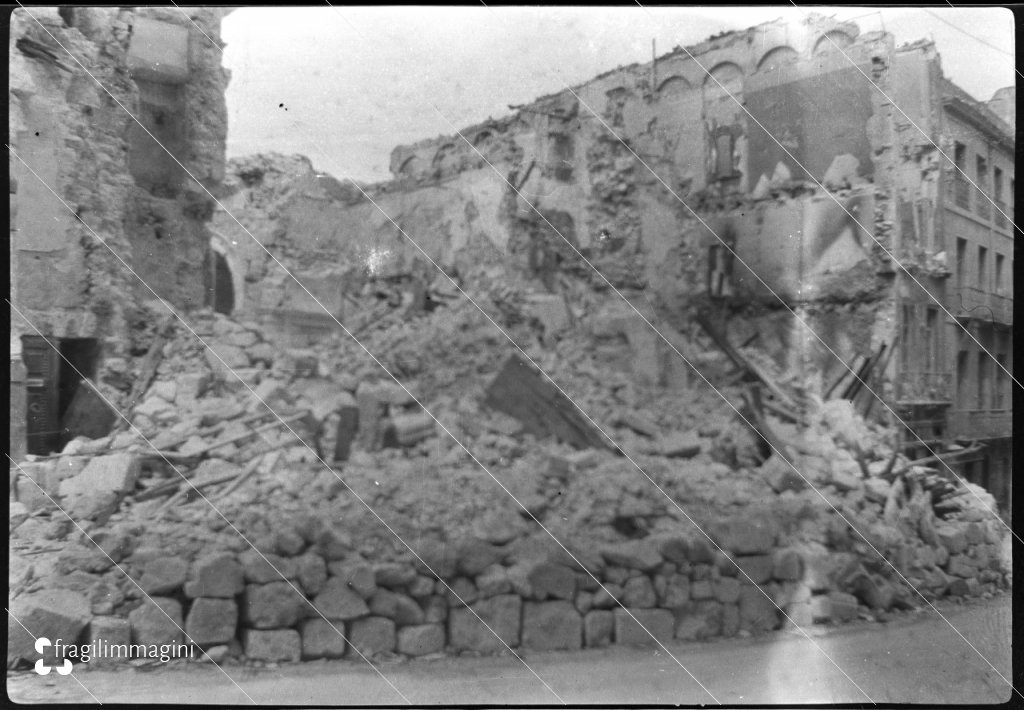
x=225, y=281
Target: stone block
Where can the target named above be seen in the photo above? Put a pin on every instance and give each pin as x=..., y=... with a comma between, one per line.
x=492, y=581
x=755, y=568
x=337, y=601
x=54, y=614
x=371, y=635
x=598, y=627
x=835, y=607
x=974, y=533
x=435, y=609
x=674, y=548
x=322, y=639
x=543, y=579
x=701, y=589
x=584, y=601
x=110, y=631
x=639, y=592
x=356, y=574
x=394, y=575
x=743, y=536
x=276, y=605
x=501, y=613
x=641, y=555
x=474, y=556
x=157, y=621
x=607, y=596
x=638, y=625
x=552, y=625
x=403, y=610
x=163, y=575
x=680, y=445
x=211, y=621
x=263, y=568
x=952, y=537
x=757, y=611
x=677, y=592
x=311, y=572
x=700, y=551
x=217, y=575
x=437, y=559
x=787, y=566
x=458, y=592
x=726, y=590
x=421, y=639
x=961, y=566
x=273, y=646
x=699, y=621
x=875, y=592
x=98, y=489
x=333, y=544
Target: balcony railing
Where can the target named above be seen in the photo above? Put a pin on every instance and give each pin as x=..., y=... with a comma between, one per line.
x=980, y=424
x=918, y=387
x=976, y=303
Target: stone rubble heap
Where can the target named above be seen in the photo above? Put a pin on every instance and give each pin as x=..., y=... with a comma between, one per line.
x=292, y=450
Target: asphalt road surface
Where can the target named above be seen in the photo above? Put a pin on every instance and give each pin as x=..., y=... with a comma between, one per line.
x=914, y=658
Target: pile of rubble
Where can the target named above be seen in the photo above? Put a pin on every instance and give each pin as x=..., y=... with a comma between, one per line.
x=284, y=451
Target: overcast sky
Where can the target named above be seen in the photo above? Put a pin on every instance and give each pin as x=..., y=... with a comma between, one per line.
x=344, y=85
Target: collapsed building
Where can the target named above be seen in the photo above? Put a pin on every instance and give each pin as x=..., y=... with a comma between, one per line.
x=812, y=508
x=846, y=222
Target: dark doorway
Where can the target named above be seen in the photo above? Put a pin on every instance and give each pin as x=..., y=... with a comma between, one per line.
x=223, y=288
x=59, y=404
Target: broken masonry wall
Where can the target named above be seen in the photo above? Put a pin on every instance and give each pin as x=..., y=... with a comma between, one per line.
x=72, y=226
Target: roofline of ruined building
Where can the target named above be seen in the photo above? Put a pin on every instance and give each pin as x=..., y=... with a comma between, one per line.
x=977, y=112
x=713, y=42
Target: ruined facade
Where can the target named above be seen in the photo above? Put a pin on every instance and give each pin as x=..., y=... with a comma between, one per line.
x=94, y=196
x=788, y=219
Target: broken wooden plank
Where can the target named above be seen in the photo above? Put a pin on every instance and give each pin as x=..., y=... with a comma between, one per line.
x=521, y=392
x=149, y=367
x=173, y=456
x=250, y=469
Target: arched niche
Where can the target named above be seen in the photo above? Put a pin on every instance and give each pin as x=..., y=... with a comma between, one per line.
x=832, y=42
x=444, y=158
x=778, y=59
x=226, y=278
x=726, y=78
x=411, y=166
x=673, y=86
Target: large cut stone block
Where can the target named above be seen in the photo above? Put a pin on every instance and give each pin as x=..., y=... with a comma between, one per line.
x=216, y=575
x=552, y=625
x=163, y=575
x=53, y=614
x=598, y=627
x=323, y=639
x=277, y=605
x=337, y=601
x=274, y=646
x=212, y=621
x=157, y=621
x=501, y=613
x=371, y=635
x=421, y=639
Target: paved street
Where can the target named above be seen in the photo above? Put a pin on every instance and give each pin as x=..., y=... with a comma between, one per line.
x=915, y=658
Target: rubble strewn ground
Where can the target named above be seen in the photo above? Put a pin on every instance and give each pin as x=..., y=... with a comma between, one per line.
x=288, y=447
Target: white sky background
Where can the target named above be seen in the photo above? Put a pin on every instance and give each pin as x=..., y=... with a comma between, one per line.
x=357, y=81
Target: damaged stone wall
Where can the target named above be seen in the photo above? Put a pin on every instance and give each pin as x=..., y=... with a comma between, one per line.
x=80, y=146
